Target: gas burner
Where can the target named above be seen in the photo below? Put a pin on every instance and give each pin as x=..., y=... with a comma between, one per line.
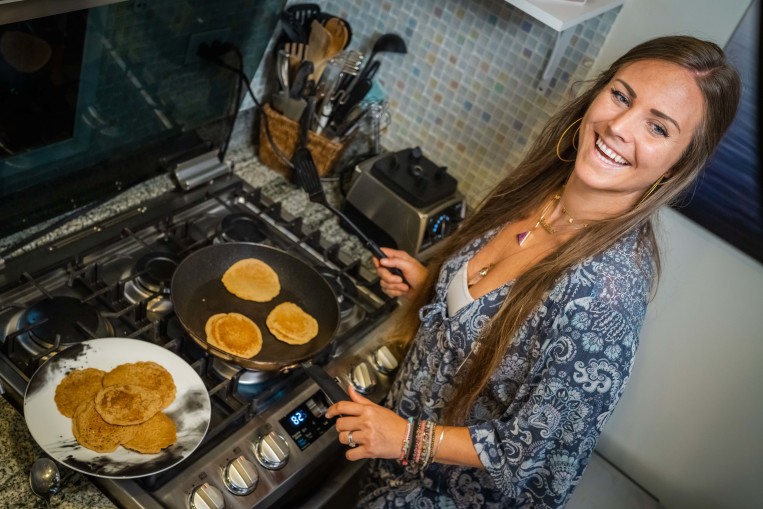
x=248, y=380
x=343, y=287
x=66, y=317
x=153, y=275
x=242, y=227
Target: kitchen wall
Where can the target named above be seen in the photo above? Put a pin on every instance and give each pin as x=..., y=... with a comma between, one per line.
x=689, y=426
x=466, y=90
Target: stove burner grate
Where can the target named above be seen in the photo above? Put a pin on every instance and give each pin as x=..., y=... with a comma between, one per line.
x=155, y=270
x=152, y=282
x=242, y=227
x=66, y=317
x=346, y=292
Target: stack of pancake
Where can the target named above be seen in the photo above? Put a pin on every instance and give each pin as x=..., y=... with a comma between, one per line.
x=254, y=280
x=291, y=324
x=234, y=333
x=120, y=407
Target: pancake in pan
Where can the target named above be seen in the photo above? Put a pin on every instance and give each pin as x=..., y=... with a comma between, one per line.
x=77, y=387
x=234, y=333
x=252, y=279
x=145, y=374
x=126, y=405
x=291, y=324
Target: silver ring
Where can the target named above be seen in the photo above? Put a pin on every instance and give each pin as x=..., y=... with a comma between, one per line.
x=349, y=440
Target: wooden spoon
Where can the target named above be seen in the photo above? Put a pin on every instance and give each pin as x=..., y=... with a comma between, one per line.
x=318, y=48
x=339, y=34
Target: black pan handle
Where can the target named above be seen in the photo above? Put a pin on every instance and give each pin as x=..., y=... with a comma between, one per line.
x=327, y=384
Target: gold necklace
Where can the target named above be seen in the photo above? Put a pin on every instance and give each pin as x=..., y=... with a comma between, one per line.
x=523, y=236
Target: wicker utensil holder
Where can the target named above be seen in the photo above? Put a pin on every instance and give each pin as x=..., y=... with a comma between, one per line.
x=284, y=132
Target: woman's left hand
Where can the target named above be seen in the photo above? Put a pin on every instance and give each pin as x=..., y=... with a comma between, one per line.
x=377, y=431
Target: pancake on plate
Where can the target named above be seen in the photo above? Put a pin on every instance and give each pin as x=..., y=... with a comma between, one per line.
x=93, y=432
x=291, y=324
x=234, y=333
x=126, y=405
x=153, y=435
x=77, y=387
x=252, y=279
x=145, y=374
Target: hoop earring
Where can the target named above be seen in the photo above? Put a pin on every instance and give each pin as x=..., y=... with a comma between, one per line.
x=573, y=141
x=660, y=181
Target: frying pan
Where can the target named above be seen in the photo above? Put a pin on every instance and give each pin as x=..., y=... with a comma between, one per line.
x=197, y=293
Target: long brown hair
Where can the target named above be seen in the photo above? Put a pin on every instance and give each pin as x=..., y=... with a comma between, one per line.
x=541, y=173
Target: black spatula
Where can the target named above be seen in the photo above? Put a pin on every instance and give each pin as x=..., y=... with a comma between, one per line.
x=308, y=180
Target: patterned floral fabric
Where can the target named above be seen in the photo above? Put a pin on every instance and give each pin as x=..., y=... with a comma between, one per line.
x=535, y=425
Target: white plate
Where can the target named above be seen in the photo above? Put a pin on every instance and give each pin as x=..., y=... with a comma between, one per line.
x=53, y=431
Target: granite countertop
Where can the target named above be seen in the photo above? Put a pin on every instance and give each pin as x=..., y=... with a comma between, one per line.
x=19, y=451
x=247, y=166
x=17, y=448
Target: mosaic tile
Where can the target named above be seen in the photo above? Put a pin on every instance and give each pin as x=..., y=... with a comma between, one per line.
x=466, y=92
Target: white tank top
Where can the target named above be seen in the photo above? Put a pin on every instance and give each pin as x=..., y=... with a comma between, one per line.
x=458, y=294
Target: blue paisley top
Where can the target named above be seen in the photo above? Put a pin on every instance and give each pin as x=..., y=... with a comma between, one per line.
x=536, y=423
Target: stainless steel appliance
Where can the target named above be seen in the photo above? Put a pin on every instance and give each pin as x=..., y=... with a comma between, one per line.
x=405, y=201
x=269, y=444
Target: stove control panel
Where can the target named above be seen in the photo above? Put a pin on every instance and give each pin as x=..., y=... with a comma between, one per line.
x=260, y=464
x=307, y=421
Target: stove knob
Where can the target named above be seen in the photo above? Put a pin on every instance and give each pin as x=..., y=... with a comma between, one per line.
x=363, y=378
x=272, y=451
x=317, y=408
x=384, y=361
x=241, y=476
x=206, y=496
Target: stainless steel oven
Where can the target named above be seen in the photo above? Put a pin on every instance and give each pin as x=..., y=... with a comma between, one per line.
x=268, y=444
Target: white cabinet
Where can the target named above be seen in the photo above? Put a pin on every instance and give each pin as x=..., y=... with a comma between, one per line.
x=562, y=16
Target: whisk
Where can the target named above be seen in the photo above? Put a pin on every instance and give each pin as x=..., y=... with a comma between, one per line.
x=337, y=75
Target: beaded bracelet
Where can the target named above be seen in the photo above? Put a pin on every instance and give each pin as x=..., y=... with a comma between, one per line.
x=420, y=445
x=419, y=441
x=406, y=442
x=427, y=459
x=414, y=441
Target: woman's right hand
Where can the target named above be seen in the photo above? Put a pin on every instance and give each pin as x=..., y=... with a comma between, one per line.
x=414, y=272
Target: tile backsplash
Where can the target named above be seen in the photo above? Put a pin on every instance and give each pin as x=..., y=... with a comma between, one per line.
x=467, y=91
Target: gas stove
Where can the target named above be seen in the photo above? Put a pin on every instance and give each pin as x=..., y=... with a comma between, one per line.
x=268, y=436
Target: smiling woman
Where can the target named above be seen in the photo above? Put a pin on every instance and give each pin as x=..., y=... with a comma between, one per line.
x=524, y=330
x=636, y=129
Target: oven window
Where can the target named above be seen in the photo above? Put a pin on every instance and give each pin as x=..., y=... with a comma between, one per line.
x=92, y=101
x=40, y=65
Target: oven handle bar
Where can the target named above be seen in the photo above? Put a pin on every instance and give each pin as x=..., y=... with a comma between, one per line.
x=200, y=170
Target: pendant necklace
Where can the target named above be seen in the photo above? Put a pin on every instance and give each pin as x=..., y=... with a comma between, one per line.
x=523, y=236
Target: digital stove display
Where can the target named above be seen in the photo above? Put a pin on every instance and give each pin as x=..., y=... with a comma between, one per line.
x=307, y=422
